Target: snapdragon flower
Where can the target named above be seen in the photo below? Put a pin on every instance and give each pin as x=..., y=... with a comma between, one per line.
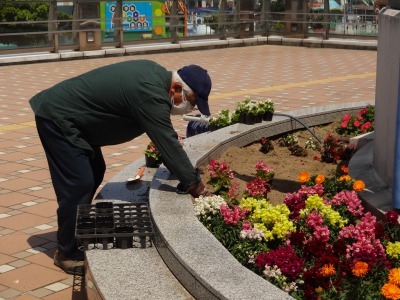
x=208, y=205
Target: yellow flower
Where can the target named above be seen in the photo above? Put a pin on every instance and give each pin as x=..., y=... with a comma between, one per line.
x=394, y=276
x=393, y=249
x=320, y=178
x=345, y=178
x=327, y=270
x=360, y=269
x=304, y=177
x=390, y=291
x=358, y=185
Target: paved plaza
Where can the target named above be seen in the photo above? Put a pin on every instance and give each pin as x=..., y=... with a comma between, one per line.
x=292, y=77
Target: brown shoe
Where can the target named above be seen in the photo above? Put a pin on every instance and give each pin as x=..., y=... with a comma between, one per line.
x=68, y=265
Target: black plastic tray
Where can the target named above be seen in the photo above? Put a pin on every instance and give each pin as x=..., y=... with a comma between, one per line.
x=106, y=225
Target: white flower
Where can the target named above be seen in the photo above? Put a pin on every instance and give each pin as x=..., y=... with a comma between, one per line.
x=208, y=205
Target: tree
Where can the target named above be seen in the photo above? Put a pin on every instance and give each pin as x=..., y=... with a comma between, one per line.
x=21, y=10
x=20, y=13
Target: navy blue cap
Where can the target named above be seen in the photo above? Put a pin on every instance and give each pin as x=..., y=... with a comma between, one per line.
x=199, y=81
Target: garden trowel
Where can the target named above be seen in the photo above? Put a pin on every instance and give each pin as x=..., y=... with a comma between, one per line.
x=137, y=177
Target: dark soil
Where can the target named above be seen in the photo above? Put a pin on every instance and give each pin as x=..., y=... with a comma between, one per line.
x=287, y=166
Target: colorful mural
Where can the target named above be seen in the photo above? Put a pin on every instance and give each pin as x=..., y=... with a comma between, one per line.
x=140, y=19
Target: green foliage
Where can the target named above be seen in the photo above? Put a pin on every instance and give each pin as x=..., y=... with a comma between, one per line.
x=221, y=119
x=288, y=140
x=24, y=17
x=278, y=6
x=18, y=11
x=226, y=234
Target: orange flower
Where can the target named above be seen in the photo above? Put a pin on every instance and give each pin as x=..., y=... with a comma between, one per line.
x=390, y=291
x=344, y=169
x=327, y=270
x=394, y=276
x=358, y=185
x=360, y=269
x=304, y=177
x=346, y=178
x=319, y=290
x=320, y=178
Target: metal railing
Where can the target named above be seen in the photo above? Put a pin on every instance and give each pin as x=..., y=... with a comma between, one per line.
x=96, y=33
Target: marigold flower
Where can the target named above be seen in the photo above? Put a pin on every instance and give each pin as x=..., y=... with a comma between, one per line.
x=344, y=169
x=328, y=270
x=320, y=178
x=345, y=178
x=390, y=291
x=358, y=185
x=394, y=276
x=319, y=290
x=304, y=177
x=360, y=268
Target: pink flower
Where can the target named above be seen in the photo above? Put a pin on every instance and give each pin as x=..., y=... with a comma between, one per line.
x=258, y=188
x=351, y=200
x=246, y=225
x=364, y=246
x=363, y=111
x=357, y=123
x=314, y=219
x=321, y=233
x=233, y=191
x=233, y=216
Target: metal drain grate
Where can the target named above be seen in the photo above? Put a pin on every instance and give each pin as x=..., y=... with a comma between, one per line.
x=106, y=225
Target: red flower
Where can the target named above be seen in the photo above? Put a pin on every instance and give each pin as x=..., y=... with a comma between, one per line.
x=366, y=126
x=344, y=124
x=346, y=117
x=339, y=247
x=379, y=230
x=392, y=217
x=285, y=258
x=297, y=238
x=357, y=123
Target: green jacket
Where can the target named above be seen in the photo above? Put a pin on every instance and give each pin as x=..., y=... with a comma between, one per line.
x=114, y=104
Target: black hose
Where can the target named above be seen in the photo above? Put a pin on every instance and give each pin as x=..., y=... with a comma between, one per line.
x=294, y=118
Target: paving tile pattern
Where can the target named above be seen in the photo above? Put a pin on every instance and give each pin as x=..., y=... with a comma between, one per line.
x=292, y=77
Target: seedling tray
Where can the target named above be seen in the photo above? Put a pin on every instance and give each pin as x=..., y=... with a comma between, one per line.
x=107, y=225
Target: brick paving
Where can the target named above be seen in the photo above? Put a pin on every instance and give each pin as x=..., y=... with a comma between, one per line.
x=292, y=77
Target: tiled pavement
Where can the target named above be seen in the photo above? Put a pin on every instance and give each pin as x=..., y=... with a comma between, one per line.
x=293, y=77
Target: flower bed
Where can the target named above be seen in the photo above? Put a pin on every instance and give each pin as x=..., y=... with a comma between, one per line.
x=318, y=242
